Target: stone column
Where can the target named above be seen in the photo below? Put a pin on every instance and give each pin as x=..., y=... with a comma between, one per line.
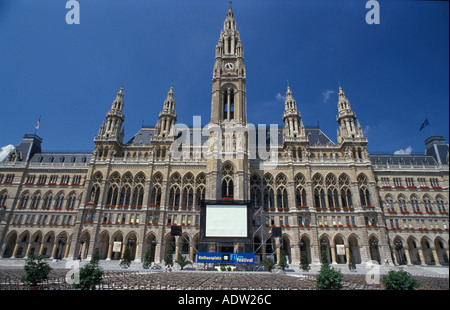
x=333, y=254
x=422, y=258
x=408, y=258
x=16, y=247
x=27, y=253
x=55, y=246
x=110, y=248
x=435, y=256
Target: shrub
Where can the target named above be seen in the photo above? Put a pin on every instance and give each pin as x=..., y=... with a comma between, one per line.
x=36, y=270
x=351, y=263
x=304, y=264
x=90, y=275
x=126, y=258
x=96, y=256
x=182, y=261
x=283, y=261
x=147, y=259
x=268, y=263
x=328, y=278
x=399, y=280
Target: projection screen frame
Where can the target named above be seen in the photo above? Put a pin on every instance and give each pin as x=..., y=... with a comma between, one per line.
x=202, y=235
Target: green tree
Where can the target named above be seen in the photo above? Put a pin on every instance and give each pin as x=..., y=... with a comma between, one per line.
x=283, y=264
x=268, y=263
x=304, y=264
x=168, y=259
x=182, y=261
x=328, y=278
x=399, y=280
x=126, y=258
x=147, y=259
x=36, y=270
x=96, y=256
x=351, y=262
x=91, y=274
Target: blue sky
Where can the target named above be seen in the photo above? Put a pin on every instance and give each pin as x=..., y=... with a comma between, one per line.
x=395, y=74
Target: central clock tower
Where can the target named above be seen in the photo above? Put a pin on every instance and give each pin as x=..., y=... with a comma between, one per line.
x=228, y=89
x=227, y=157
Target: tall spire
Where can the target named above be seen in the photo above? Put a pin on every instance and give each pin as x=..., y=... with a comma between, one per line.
x=293, y=126
x=229, y=95
x=346, y=118
x=167, y=117
x=229, y=42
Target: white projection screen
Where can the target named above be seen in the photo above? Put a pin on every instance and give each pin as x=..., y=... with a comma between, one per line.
x=226, y=221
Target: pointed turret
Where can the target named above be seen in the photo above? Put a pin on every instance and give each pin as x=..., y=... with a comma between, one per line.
x=167, y=117
x=114, y=119
x=293, y=126
x=346, y=118
x=111, y=134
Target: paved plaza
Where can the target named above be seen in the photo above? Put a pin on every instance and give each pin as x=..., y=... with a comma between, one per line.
x=193, y=278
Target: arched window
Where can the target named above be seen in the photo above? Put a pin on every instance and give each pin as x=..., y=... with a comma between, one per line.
x=228, y=104
x=363, y=190
x=59, y=201
x=188, y=197
x=255, y=197
x=174, y=197
x=415, y=203
x=227, y=188
x=138, y=196
x=268, y=198
x=200, y=195
x=156, y=195
x=71, y=201
x=282, y=198
x=112, y=195
x=48, y=198
x=95, y=194
x=300, y=196
x=23, y=201
x=125, y=196
x=402, y=204
x=35, y=201
x=3, y=197
x=427, y=204
x=389, y=204
x=319, y=198
x=440, y=204
x=227, y=181
x=155, y=198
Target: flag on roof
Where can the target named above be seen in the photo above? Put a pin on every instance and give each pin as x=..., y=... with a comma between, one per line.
x=424, y=124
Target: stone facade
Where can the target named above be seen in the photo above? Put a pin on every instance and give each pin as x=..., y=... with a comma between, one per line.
x=326, y=197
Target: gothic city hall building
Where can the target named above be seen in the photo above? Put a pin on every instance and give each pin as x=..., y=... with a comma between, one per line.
x=317, y=195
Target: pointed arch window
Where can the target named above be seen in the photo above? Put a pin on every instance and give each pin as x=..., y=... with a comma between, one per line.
x=228, y=104
x=227, y=188
x=138, y=196
x=269, y=198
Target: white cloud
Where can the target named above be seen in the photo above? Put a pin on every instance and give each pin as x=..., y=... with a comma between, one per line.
x=366, y=130
x=406, y=151
x=5, y=151
x=280, y=97
x=327, y=94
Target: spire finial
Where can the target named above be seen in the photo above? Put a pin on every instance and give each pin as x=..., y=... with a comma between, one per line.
x=230, y=3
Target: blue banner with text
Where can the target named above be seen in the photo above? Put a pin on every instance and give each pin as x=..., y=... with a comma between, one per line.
x=232, y=258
